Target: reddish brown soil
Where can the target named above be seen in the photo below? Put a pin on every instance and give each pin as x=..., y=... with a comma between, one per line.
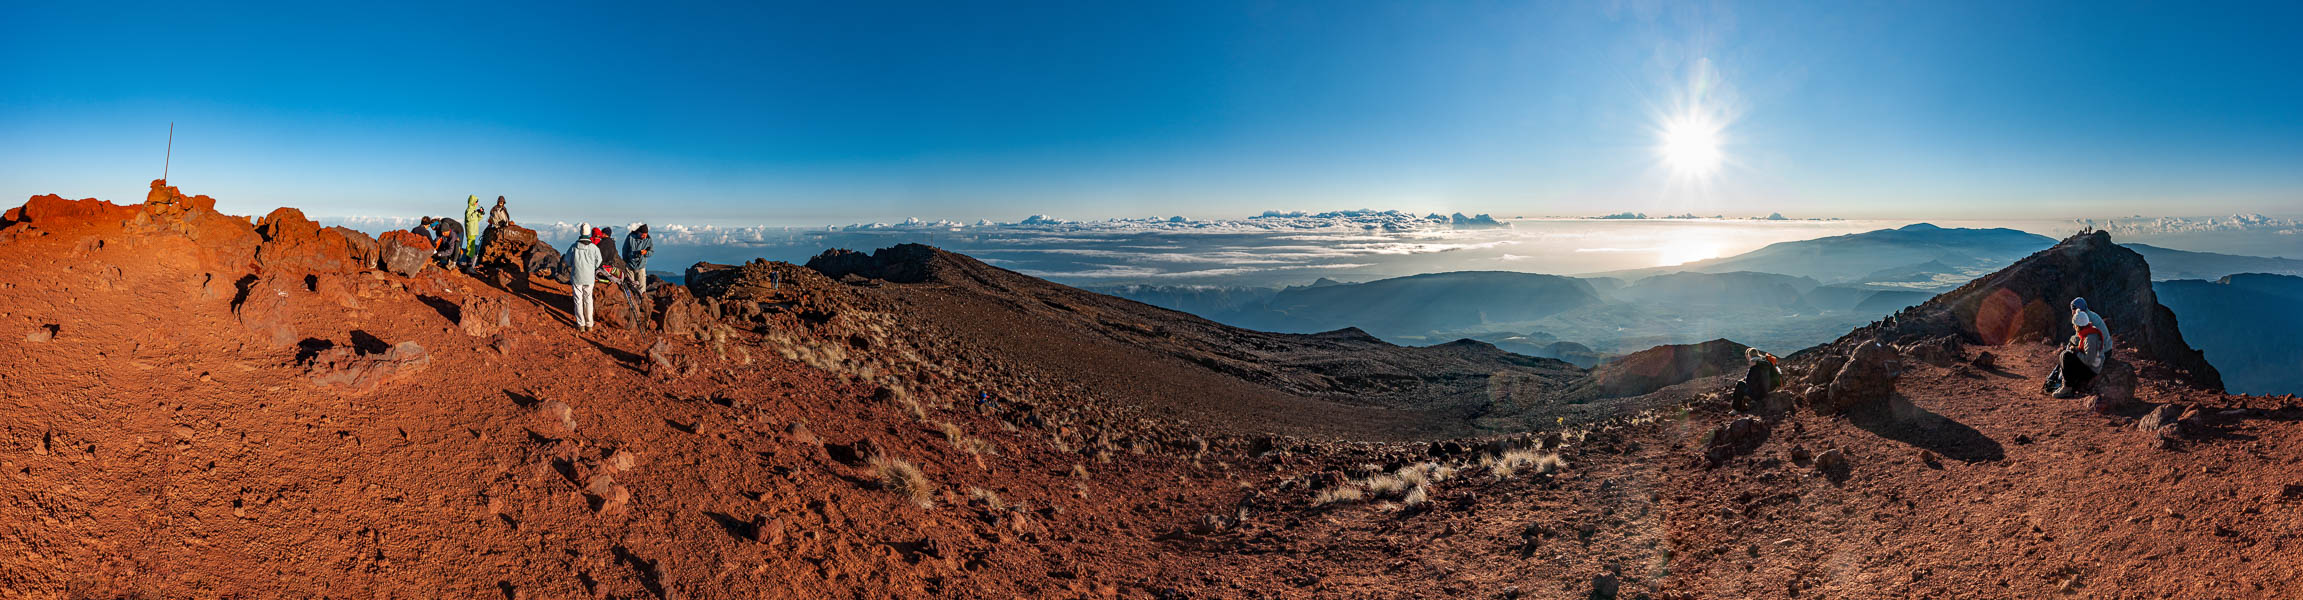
x=171, y=426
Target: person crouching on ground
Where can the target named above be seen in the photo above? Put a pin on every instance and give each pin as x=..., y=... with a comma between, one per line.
x=637, y=247
x=1759, y=378
x=2083, y=355
x=583, y=265
x=450, y=249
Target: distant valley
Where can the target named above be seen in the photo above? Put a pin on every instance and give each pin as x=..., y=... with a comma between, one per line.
x=1782, y=298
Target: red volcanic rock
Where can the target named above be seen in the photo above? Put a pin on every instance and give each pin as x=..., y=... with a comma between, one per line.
x=293, y=243
x=507, y=247
x=484, y=315
x=358, y=373
x=403, y=252
x=264, y=308
x=362, y=248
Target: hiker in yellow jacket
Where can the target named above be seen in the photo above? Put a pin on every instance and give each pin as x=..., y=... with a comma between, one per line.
x=472, y=219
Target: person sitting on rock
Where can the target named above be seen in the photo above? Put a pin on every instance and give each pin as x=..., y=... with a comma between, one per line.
x=1759, y=378
x=583, y=266
x=2083, y=355
x=424, y=228
x=499, y=216
x=637, y=247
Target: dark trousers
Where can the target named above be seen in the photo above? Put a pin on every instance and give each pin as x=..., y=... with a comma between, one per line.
x=1751, y=390
x=2074, y=371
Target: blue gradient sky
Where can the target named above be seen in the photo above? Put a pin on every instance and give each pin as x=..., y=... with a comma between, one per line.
x=815, y=113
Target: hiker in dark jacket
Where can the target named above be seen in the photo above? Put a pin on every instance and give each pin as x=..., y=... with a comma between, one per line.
x=2083, y=355
x=424, y=228
x=450, y=244
x=637, y=247
x=1760, y=377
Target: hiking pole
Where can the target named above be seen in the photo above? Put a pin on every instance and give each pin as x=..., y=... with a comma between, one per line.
x=171, y=156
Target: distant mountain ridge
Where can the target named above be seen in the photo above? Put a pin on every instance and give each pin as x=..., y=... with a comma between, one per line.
x=2247, y=324
x=1896, y=254
x=2169, y=263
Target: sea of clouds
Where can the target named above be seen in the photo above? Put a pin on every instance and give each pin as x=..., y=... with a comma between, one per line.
x=1291, y=248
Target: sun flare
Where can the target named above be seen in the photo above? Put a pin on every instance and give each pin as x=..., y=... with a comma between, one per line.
x=1685, y=251
x=1690, y=145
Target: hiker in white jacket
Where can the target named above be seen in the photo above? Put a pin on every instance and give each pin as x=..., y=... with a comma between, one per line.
x=583, y=263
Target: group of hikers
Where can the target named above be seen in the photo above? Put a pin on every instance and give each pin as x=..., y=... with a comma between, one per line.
x=2077, y=364
x=582, y=267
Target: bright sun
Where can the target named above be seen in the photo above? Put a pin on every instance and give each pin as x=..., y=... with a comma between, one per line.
x=1690, y=145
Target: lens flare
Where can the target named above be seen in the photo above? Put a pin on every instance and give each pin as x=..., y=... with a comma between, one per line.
x=1690, y=145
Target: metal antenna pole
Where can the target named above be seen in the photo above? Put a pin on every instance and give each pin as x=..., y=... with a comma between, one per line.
x=171, y=151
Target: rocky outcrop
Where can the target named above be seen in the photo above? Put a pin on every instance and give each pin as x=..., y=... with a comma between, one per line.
x=901, y=263
x=1734, y=438
x=295, y=244
x=482, y=315
x=359, y=373
x=1655, y=368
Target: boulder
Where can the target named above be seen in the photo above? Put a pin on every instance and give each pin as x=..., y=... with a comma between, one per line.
x=2115, y=385
x=678, y=312
x=363, y=249
x=1834, y=464
x=1734, y=438
x=1868, y=378
x=1985, y=360
x=403, y=252
x=507, y=247
x=2166, y=419
x=1826, y=367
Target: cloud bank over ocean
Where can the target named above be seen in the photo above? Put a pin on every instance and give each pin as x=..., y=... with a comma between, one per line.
x=1289, y=248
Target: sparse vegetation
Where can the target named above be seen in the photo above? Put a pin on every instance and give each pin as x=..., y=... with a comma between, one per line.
x=899, y=476
x=1343, y=493
x=987, y=498
x=1508, y=464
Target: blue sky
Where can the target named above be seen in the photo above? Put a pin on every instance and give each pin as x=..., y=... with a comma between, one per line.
x=855, y=111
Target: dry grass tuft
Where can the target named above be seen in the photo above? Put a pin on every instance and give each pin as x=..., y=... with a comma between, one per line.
x=899, y=476
x=987, y=498
x=1510, y=463
x=1416, y=498
x=1341, y=494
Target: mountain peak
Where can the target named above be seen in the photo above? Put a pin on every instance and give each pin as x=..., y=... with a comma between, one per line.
x=1919, y=227
x=2026, y=302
